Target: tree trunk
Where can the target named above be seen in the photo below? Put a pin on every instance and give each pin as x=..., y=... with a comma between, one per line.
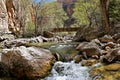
x=36, y=26
x=104, y=4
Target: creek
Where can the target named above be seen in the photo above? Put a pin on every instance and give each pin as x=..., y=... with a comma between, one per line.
x=67, y=70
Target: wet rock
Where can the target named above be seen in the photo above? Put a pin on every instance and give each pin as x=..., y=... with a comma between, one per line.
x=57, y=56
x=106, y=38
x=64, y=52
x=28, y=63
x=77, y=58
x=106, y=72
x=89, y=62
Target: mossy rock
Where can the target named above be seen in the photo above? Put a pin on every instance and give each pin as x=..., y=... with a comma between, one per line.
x=106, y=72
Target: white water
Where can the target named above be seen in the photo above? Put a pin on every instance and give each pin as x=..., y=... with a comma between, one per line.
x=68, y=71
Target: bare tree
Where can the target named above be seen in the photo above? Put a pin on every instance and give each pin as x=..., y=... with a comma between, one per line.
x=24, y=11
x=37, y=7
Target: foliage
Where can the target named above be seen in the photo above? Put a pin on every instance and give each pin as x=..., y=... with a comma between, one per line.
x=114, y=11
x=54, y=15
x=26, y=20
x=87, y=12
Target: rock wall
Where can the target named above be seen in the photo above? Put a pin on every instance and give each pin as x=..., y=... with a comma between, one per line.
x=9, y=16
x=3, y=17
x=12, y=13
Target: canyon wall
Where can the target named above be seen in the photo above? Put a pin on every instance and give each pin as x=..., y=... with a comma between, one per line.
x=14, y=15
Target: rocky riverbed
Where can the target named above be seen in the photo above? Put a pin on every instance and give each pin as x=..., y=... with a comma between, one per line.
x=97, y=59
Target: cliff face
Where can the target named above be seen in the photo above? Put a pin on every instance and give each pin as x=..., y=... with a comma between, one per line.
x=13, y=15
x=9, y=16
x=13, y=10
x=3, y=17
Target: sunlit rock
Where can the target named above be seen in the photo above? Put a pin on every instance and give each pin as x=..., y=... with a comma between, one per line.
x=89, y=50
x=106, y=72
x=29, y=63
x=89, y=62
x=3, y=18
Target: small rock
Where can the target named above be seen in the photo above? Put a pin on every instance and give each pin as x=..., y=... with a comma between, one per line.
x=89, y=62
x=106, y=38
x=110, y=44
x=116, y=36
x=81, y=45
x=118, y=41
x=77, y=58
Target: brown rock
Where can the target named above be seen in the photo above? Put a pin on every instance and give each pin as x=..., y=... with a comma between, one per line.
x=48, y=34
x=77, y=58
x=118, y=41
x=81, y=45
x=110, y=44
x=106, y=38
x=89, y=62
x=87, y=33
x=112, y=55
x=116, y=36
x=29, y=63
x=3, y=18
x=89, y=50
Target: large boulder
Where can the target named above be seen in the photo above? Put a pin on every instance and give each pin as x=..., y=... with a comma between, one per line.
x=89, y=50
x=27, y=63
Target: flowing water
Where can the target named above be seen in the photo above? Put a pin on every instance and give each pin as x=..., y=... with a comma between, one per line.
x=68, y=71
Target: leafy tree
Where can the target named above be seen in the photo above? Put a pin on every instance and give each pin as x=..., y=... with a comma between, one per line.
x=86, y=12
x=114, y=11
